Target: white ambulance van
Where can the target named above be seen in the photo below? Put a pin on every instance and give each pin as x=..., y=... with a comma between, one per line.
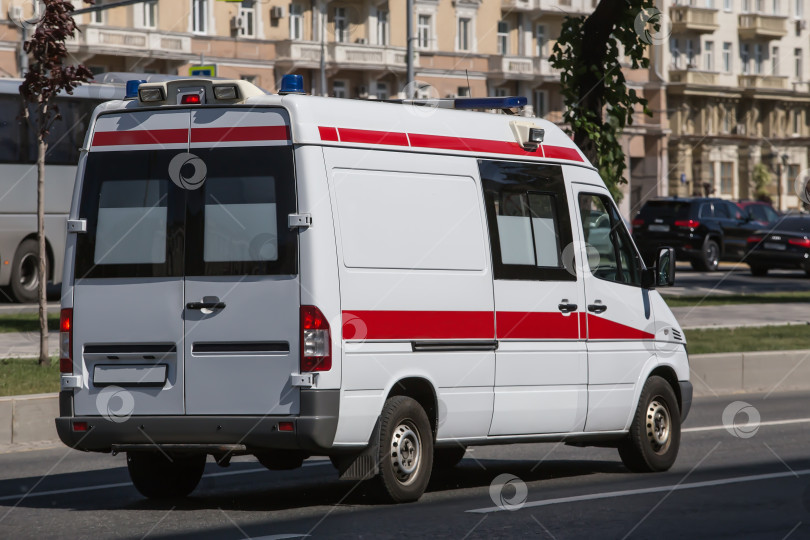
x=384, y=284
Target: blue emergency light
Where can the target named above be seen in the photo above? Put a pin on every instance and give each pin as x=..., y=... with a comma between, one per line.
x=509, y=102
x=292, y=84
x=132, y=88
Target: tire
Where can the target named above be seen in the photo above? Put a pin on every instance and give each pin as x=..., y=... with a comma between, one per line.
x=710, y=257
x=655, y=434
x=24, y=272
x=758, y=270
x=155, y=477
x=406, y=450
x=447, y=458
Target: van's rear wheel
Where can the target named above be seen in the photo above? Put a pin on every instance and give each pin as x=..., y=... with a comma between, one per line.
x=406, y=449
x=25, y=272
x=655, y=434
x=157, y=476
x=447, y=458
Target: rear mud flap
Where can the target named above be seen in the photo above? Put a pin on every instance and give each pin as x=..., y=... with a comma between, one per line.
x=364, y=465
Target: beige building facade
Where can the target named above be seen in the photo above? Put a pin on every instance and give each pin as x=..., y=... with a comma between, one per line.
x=479, y=48
x=738, y=95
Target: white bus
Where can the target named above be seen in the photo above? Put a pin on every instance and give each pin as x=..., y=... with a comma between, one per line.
x=18, y=181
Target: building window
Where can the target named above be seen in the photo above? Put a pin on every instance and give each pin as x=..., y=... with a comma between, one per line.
x=381, y=90
x=463, y=91
x=727, y=57
x=383, y=27
x=503, y=37
x=690, y=55
x=96, y=17
x=775, y=61
x=540, y=103
x=799, y=64
x=726, y=5
x=540, y=32
x=341, y=25
x=423, y=31
x=296, y=21
x=727, y=177
x=464, y=37
x=760, y=6
x=798, y=8
x=745, y=58
x=757, y=58
x=248, y=78
x=775, y=7
x=501, y=92
x=339, y=88
x=746, y=6
x=247, y=12
x=727, y=121
x=146, y=15
x=199, y=16
x=675, y=52
x=708, y=56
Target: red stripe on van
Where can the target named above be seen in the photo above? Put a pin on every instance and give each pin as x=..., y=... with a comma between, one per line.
x=520, y=325
x=407, y=325
x=244, y=133
x=441, y=142
x=600, y=328
x=366, y=136
x=328, y=133
x=141, y=136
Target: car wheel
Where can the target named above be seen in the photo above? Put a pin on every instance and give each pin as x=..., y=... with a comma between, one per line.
x=655, y=434
x=447, y=458
x=158, y=476
x=759, y=270
x=25, y=272
x=406, y=449
x=709, y=258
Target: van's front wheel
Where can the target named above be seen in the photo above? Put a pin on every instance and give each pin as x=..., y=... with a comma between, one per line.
x=406, y=449
x=157, y=476
x=655, y=434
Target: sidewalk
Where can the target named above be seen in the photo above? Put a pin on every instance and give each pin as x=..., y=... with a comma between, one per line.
x=26, y=344
x=742, y=315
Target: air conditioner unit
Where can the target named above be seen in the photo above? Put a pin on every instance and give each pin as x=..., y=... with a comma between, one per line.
x=361, y=41
x=237, y=23
x=362, y=91
x=801, y=25
x=276, y=12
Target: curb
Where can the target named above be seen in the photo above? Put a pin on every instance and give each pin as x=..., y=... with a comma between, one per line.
x=29, y=420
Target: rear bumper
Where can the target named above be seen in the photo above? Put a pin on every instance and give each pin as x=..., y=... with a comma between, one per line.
x=313, y=429
x=778, y=259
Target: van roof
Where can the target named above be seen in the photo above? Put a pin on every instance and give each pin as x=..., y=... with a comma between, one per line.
x=403, y=127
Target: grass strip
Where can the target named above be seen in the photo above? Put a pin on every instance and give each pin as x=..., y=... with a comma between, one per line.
x=20, y=376
x=724, y=300
x=748, y=339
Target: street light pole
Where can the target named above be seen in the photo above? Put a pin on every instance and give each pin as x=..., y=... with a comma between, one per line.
x=409, y=50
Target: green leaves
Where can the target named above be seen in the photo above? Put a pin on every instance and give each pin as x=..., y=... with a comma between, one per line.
x=598, y=104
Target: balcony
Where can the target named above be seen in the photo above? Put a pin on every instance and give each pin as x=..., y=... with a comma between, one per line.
x=692, y=19
x=307, y=54
x=562, y=8
x=519, y=5
x=765, y=82
x=131, y=43
x=519, y=67
x=762, y=26
x=691, y=76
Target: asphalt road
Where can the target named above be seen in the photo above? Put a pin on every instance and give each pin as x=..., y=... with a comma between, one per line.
x=755, y=484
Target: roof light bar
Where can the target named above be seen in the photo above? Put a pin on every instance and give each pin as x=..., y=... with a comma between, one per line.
x=132, y=88
x=150, y=94
x=226, y=92
x=509, y=102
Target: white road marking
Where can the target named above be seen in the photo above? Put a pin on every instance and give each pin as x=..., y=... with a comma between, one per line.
x=644, y=491
x=129, y=484
x=761, y=424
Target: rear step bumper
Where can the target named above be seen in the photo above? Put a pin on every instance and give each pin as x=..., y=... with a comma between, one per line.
x=313, y=430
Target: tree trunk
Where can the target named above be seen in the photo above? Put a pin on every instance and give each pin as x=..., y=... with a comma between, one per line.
x=44, y=357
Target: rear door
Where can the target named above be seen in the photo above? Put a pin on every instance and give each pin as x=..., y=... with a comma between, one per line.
x=242, y=299
x=620, y=320
x=128, y=288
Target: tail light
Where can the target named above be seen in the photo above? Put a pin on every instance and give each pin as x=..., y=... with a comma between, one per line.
x=801, y=242
x=638, y=222
x=66, y=341
x=316, y=342
x=754, y=239
x=688, y=223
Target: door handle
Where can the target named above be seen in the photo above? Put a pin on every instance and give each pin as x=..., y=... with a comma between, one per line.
x=597, y=308
x=567, y=308
x=206, y=305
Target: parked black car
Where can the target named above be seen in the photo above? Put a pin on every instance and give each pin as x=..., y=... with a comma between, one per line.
x=703, y=230
x=788, y=246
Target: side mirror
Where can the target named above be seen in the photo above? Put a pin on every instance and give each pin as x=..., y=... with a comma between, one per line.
x=665, y=267
x=662, y=274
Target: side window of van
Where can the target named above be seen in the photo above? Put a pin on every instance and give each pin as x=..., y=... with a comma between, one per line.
x=605, y=232
x=529, y=220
